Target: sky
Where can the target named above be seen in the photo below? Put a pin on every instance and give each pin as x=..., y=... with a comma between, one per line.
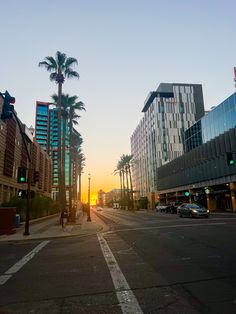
x=125, y=49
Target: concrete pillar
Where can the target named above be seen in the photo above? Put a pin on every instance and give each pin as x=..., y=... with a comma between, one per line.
x=191, y=199
x=232, y=186
x=211, y=203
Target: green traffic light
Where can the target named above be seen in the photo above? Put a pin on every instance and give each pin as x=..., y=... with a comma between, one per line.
x=186, y=193
x=22, y=179
x=231, y=162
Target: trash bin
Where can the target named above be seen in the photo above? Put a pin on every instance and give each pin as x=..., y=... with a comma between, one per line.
x=17, y=220
x=7, y=220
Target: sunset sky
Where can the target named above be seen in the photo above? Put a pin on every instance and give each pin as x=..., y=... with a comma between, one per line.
x=125, y=49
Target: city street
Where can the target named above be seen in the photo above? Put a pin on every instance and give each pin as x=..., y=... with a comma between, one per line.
x=138, y=262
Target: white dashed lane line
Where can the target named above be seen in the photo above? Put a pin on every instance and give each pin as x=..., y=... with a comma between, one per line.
x=125, y=296
x=12, y=270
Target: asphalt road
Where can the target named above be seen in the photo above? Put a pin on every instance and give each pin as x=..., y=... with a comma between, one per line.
x=145, y=263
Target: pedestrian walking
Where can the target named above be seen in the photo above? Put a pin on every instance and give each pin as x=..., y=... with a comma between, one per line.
x=64, y=217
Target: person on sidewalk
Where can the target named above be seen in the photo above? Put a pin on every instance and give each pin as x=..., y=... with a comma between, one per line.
x=64, y=217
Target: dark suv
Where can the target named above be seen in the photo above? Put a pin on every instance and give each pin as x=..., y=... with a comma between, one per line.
x=172, y=208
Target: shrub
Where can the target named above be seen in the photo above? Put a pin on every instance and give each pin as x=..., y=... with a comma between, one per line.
x=40, y=206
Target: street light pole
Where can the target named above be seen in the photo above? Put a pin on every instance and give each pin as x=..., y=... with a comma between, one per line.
x=89, y=217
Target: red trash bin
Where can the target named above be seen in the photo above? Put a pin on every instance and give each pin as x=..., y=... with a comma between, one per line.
x=7, y=220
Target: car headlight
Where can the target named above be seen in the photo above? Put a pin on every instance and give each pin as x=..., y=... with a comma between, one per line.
x=194, y=210
x=208, y=211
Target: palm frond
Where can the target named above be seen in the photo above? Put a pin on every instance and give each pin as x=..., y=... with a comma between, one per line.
x=70, y=62
x=70, y=74
x=54, y=99
x=60, y=59
x=53, y=76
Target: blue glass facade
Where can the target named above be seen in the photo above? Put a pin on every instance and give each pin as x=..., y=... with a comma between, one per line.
x=47, y=136
x=41, y=128
x=216, y=122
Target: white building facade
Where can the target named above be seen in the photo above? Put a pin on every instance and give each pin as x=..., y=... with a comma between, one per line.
x=159, y=136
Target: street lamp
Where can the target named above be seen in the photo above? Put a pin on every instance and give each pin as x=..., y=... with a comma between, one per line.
x=88, y=212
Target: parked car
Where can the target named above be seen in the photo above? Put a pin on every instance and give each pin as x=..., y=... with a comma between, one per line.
x=172, y=208
x=162, y=207
x=192, y=210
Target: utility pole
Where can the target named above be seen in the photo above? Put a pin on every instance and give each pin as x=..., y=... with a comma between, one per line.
x=89, y=217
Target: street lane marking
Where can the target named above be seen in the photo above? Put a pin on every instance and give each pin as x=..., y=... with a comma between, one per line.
x=4, y=279
x=170, y=226
x=125, y=296
x=12, y=270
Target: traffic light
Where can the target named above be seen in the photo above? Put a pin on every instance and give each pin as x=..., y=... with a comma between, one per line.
x=36, y=176
x=21, y=176
x=186, y=193
x=230, y=159
x=7, y=109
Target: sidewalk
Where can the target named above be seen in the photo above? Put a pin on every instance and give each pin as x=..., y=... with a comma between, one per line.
x=51, y=228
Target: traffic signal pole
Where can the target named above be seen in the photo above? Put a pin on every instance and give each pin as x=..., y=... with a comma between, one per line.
x=29, y=178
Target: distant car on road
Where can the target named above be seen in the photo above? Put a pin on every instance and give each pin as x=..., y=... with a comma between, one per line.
x=172, y=208
x=161, y=207
x=192, y=210
x=99, y=209
x=116, y=206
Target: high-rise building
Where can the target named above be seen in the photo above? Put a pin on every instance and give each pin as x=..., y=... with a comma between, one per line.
x=159, y=137
x=46, y=132
x=207, y=171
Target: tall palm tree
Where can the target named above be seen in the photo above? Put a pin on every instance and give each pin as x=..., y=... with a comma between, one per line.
x=127, y=159
x=120, y=170
x=64, y=116
x=60, y=68
x=69, y=113
x=76, y=149
x=73, y=116
x=81, y=165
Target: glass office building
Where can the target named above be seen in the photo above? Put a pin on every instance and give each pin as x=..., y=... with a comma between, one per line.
x=216, y=122
x=46, y=129
x=42, y=125
x=159, y=137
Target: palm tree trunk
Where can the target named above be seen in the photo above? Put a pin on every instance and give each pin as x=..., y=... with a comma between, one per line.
x=79, y=186
x=63, y=155
x=60, y=187
x=127, y=183
x=70, y=168
x=131, y=188
x=123, y=180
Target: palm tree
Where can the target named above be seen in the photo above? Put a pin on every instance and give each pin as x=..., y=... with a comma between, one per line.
x=64, y=115
x=73, y=108
x=124, y=170
x=69, y=112
x=81, y=165
x=60, y=68
x=127, y=159
x=120, y=169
